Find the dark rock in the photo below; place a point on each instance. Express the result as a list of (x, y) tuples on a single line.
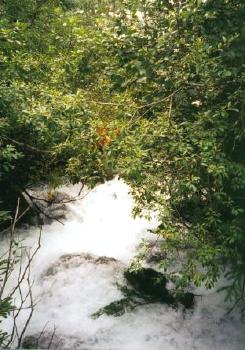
[(150, 283), (146, 286), (48, 207), (154, 252), (68, 261), (186, 299), (104, 260), (30, 342), (155, 257), (116, 308), (46, 340)]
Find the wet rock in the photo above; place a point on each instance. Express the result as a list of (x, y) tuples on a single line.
[(30, 342), (116, 308), (152, 285), (48, 206), (51, 340), (104, 260), (67, 261), (149, 283), (146, 286), (186, 299), (152, 251), (145, 291), (155, 255)]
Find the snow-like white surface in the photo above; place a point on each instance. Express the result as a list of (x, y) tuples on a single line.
[(101, 224)]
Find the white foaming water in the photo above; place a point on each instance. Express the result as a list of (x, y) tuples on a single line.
[(72, 282)]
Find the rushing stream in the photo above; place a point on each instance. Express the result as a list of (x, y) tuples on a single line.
[(75, 274)]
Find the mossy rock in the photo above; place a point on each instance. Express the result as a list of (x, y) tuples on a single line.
[(146, 286), (30, 342), (116, 308), (150, 284)]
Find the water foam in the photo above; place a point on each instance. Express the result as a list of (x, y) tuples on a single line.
[(70, 285)]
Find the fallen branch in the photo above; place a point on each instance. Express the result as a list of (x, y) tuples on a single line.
[(40, 210)]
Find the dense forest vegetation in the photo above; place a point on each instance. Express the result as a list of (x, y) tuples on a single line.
[(152, 91)]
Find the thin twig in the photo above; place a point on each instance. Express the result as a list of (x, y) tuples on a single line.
[(19, 217), (21, 279), (170, 111), (52, 337), (30, 148), (32, 307), (39, 210), (9, 259), (23, 275)]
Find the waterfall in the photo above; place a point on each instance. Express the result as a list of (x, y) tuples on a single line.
[(76, 271)]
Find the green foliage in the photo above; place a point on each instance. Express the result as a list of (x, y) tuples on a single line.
[(183, 64), (50, 77), (116, 308), (151, 90)]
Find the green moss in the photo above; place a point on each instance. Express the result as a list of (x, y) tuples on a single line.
[(146, 286)]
